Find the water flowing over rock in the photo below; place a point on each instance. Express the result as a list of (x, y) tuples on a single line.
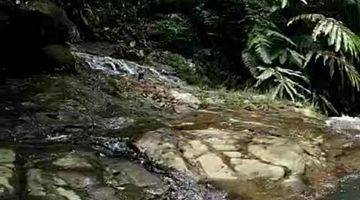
[(122, 67), (217, 148), (345, 125), (110, 65), (119, 130)]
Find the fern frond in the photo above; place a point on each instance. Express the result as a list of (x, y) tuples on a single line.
[(338, 35), (339, 63), (285, 80), (250, 63)]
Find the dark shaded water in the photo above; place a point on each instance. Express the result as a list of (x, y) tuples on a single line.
[(349, 189)]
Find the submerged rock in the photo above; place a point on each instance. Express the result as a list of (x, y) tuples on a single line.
[(159, 146), (74, 160), (248, 169), (7, 174), (7, 156), (215, 168), (7, 189), (79, 179), (46, 185), (193, 149), (116, 123), (279, 151), (122, 173)]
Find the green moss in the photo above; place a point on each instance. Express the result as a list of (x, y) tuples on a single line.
[(187, 72), (45, 7), (175, 30), (230, 99), (59, 54)]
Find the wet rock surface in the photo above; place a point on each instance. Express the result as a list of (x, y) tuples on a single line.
[(7, 174), (68, 138), (263, 151), (106, 133)]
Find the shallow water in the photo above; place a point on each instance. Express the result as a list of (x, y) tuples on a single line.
[(48, 117), (282, 123), (349, 189)]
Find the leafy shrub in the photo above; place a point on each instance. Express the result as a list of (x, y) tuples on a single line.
[(187, 71), (175, 30)]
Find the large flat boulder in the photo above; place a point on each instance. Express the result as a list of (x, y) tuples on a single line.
[(215, 168), (249, 169), (279, 151)]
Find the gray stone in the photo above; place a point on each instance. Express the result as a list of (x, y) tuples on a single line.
[(253, 169), (225, 147), (103, 193), (215, 168), (7, 156), (295, 184), (6, 188), (46, 185), (119, 173), (159, 146), (186, 98), (68, 194), (116, 123), (73, 160), (78, 179), (279, 151), (194, 149), (233, 154)]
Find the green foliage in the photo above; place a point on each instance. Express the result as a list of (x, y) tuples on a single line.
[(286, 81), (285, 63), (187, 71), (175, 30), (269, 55), (337, 63), (338, 35)]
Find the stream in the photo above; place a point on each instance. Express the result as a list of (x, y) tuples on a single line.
[(107, 133)]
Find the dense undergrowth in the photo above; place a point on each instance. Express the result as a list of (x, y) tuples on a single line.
[(301, 50)]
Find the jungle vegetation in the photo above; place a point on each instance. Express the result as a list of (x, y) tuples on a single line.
[(300, 50), (306, 50)]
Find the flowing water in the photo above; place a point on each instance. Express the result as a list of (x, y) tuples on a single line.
[(74, 137), (349, 127)]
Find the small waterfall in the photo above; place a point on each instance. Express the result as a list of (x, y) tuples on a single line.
[(109, 65), (345, 125), (123, 67)]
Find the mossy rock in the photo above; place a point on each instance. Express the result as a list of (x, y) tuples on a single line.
[(59, 21), (45, 7), (7, 156), (59, 55)]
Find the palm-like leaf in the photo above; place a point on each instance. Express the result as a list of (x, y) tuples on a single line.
[(336, 62), (338, 35), (285, 80)]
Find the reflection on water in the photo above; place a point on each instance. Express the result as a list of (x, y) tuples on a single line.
[(349, 189)]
